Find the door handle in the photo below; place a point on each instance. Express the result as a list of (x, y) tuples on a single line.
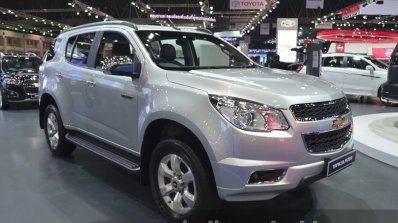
[(90, 83), (127, 96), (58, 75)]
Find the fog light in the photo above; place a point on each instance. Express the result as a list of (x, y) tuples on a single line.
[(13, 94), (267, 177)]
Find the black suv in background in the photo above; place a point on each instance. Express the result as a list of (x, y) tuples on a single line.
[(19, 79), (389, 92)]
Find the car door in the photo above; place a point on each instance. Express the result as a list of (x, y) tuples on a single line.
[(361, 77), (333, 70), (113, 94), (72, 74)]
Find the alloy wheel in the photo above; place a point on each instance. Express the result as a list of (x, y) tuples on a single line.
[(52, 130), (176, 184)]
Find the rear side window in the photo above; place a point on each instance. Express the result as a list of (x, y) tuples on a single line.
[(356, 62), (333, 61), (78, 49), (394, 57)]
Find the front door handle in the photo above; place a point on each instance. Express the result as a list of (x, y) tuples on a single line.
[(90, 83), (58, 75)]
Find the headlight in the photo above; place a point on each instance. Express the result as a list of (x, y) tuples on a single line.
[(248, 115), (11, 81)]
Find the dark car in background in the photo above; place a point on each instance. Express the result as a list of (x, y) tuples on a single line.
[(19, 79), (389, 92)]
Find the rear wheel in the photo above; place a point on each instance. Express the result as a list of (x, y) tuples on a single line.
[(3, 102), (55, 132), (180, 182)]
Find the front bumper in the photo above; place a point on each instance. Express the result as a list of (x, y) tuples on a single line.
[(296, 176), (285, 151), (21, 93), (389, 93)]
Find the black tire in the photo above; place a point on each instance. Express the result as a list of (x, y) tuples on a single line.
[(4, 105), (206, 200), (62, 147)]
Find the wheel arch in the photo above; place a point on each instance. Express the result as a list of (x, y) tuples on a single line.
[(45, 100), (160, 129)]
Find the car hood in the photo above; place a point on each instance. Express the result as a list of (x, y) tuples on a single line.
[(273, 87)]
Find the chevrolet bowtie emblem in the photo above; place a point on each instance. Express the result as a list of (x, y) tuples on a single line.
[(339, 122)]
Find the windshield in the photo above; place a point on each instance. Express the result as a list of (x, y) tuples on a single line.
[(377, 62), (189, 51), (18, 64)]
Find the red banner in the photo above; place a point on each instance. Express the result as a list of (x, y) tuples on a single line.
[(350, 12), (382, 53), (340, 47)]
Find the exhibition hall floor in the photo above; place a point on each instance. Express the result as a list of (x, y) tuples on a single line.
[(37, 187)]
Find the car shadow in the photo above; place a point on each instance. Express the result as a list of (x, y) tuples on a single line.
[(291, 206), (23, 106)]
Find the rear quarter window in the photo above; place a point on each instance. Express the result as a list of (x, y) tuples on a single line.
[(394, 57), (53, 49)]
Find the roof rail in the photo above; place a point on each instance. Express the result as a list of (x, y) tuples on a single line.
[(205, 30), (110, 22)]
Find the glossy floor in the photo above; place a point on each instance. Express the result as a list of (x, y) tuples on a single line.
[(37, 187)]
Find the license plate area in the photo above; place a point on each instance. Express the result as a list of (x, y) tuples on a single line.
[(340, 163)]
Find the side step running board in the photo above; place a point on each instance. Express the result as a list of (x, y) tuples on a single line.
[(106, 151)]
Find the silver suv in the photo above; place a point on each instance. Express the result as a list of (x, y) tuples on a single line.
[(198, 119)]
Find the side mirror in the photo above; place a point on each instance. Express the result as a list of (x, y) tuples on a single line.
[(126, 67), (371, 69), (136, 68)]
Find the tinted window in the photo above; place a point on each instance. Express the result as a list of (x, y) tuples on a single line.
[(115, 54), (394, 57), (190, 51), (51, 51), (78, 52), (377, 62), (69, 47), (333, 62), (356, 62)]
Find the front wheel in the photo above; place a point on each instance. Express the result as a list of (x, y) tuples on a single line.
[(55, 132), (3, 102), (180, 183)]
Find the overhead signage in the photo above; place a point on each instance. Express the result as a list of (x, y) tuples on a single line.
[(183, 17), (264, 29), (259, 51), (287, 24), (382, 53), (315, 4), (247, 4), (327, 25), (350, 12)]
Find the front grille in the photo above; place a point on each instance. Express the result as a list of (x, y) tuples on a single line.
[(328, 141), (320, 110), (31, 90)]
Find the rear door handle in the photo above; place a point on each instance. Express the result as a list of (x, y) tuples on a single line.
[(127, 96), (90, 83)]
